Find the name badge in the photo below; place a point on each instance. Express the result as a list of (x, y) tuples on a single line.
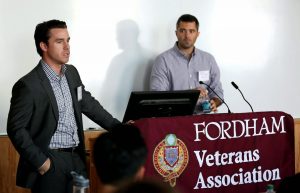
[(79, 93), (203, 75)]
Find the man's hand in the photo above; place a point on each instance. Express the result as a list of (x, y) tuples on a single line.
[(214, 103), (203, 92), (45, 167), (130, 122)]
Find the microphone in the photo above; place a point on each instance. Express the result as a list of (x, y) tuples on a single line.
[(236, 87), (201, 82)]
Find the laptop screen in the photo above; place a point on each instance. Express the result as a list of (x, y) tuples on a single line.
[(145, 104)]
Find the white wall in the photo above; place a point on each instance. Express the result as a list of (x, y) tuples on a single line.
[(255, 42)]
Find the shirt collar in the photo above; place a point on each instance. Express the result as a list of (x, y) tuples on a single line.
[(180, 52), (51, 73)]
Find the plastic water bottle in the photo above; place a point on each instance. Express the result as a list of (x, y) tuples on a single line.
[(80, 183), (270, 188), (203, 105), (206, 106)]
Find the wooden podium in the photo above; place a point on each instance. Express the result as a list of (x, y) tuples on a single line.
[(9, 160)]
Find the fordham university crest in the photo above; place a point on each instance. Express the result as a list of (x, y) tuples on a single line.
[(170, 158)]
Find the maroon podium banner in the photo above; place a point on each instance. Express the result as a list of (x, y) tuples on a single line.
[(211, 153)]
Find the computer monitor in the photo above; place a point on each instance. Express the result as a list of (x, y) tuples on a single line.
[(145, 104)]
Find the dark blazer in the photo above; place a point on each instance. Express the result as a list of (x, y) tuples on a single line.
[(33, 117)]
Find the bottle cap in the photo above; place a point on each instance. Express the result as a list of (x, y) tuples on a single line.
[(79, 180), (270, 187)]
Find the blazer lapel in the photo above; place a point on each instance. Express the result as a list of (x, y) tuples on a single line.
[(48, 88)]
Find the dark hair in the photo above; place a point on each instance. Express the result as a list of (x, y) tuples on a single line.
[(187, 18), (289, 184), (119, 154), (42, 32), (146, 186)]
